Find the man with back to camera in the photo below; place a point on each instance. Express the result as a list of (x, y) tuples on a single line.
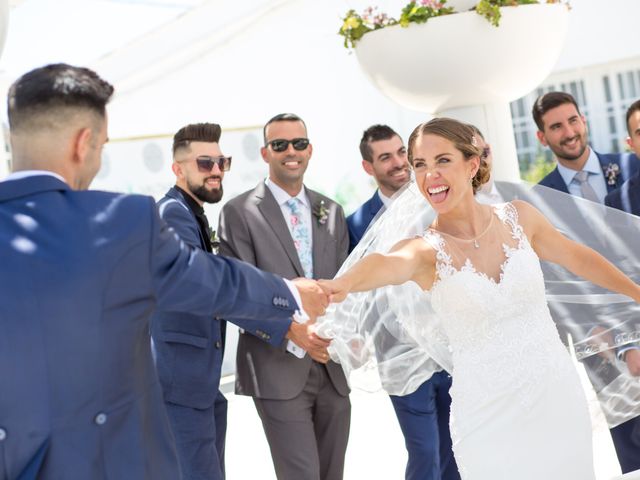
[(83, 272)]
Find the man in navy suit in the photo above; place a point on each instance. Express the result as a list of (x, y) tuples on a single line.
[(82, 274), (424, 414), (189, 348), (627, 197), (584, 173)]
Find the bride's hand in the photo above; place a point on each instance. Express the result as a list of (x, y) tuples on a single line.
[(337, 289)]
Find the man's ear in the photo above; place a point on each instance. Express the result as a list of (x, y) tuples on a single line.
[(368, 167), (541, 138), (81, 145), (263, 152), (176, 169), (630, 143)]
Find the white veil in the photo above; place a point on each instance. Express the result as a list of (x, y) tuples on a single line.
[(391, 338)]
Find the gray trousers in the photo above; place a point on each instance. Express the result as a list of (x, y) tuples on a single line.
[(308, 434)]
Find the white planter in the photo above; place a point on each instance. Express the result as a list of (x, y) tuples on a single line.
[(461, 5), (462, 60), (4, 22)]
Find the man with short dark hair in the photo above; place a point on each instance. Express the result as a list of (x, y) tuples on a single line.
[(286, 228), (580, 171), (423, 414), (627, 197), (189, 348), (82, 273), (585, 173)]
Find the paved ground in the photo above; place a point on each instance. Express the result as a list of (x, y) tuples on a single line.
[(376, 447)]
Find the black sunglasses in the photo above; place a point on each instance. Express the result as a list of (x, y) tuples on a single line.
[(206, 163), (280, 145)]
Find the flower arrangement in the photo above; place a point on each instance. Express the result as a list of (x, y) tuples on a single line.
[(321, 212), (611, 173), (355, 25)]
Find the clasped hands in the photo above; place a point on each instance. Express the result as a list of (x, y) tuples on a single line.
[(316, 296)]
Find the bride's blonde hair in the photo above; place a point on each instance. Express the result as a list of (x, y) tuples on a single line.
[(463, 137)]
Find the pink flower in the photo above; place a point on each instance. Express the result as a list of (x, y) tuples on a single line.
[(294, 220)]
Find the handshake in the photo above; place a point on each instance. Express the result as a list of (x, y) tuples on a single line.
[(315, 296)]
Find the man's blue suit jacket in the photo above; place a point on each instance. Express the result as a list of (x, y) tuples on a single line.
[(188, 347), (359, 221), (82, 272), (627, 197), (628, 165)]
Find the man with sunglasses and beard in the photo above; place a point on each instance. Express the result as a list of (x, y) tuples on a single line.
[(284, 227), (188, 348)]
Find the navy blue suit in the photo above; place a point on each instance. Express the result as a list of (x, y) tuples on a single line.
[(82, 272), (628, 165), (627, 197), (626, 436), (189, 350), (424, 414)]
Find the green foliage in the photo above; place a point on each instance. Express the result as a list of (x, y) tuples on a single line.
[(355, 25), (539, 169)]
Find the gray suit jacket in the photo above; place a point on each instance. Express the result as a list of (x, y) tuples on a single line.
[(252, 228)]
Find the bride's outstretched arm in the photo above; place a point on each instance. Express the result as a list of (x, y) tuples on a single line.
[(411, 259), (549, 244)]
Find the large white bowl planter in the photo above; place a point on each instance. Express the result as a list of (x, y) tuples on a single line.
[(462, 66), (4, 22)]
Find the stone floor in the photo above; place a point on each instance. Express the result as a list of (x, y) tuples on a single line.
[(376, 446)]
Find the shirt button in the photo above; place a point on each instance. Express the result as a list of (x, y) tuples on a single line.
[(218, 344), (3, 434), (101, 419)]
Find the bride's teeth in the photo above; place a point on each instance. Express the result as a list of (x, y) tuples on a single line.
[(438, 189)]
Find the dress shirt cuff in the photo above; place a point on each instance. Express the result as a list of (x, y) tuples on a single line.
[(300, 316)]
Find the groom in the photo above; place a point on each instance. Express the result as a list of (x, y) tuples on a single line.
[(424, 414)]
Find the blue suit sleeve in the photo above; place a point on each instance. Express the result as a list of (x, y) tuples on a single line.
[(190, 280)]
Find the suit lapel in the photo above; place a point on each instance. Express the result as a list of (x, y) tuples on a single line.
[(556, 181), (179, 197), (319, 234), (271, 211)]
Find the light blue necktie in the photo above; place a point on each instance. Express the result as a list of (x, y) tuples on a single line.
[(301, 236)]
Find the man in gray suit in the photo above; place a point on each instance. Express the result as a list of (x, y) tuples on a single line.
[(285, 228)]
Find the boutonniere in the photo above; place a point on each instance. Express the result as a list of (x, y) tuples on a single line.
[(611, 173), (321, 212), (215, 241)]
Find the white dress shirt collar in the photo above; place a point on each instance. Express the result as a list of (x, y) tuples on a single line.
[(32, 173), (283, 197)]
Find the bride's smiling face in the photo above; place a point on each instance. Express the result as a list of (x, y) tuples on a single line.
[(442, 172)]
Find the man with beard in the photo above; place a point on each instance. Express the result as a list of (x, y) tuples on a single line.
[(423, 415), (189, 348), (585, 173), (282, 226), (580, 170)]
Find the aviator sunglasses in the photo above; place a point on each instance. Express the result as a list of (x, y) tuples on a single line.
[(206, 163), (280, 145)]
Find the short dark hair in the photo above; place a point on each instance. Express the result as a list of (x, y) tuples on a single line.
[(52, 88), (549, 101), (635, 107), (196, 132), (373, 134), (282, 117)]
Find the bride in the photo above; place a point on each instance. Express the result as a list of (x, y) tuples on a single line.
[(518, 408)]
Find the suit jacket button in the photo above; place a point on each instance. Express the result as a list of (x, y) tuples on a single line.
[(3, 434), (275, 301), (100, 419), (217, 318), (218, 344)]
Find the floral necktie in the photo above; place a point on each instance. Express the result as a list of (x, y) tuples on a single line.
[(301, 236)]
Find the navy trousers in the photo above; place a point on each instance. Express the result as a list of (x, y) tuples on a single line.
[(626, 440), (424, 420), (200, 439)]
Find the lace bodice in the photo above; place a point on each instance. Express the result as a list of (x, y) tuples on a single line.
[(497, 328)]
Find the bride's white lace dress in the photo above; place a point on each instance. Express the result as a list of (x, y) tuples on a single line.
[(518, 409)]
